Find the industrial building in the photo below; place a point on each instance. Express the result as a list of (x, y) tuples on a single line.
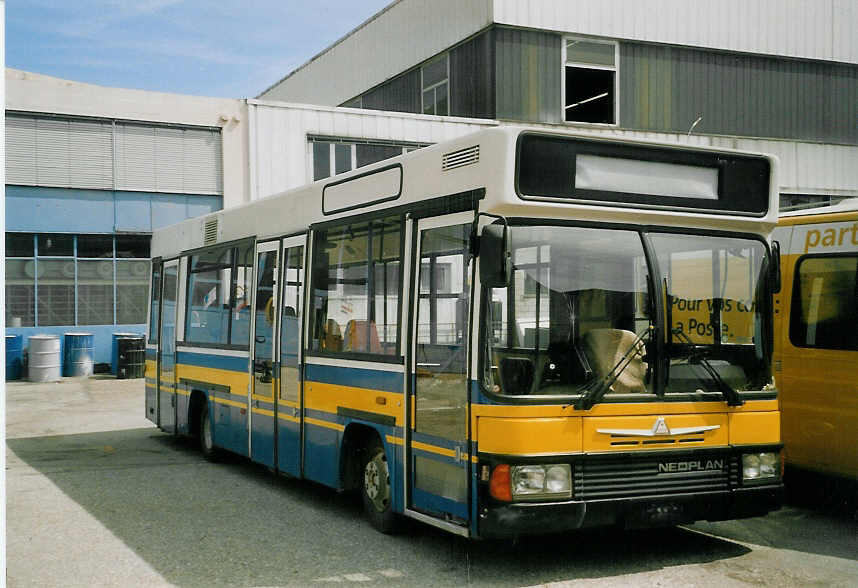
[(774, 76), (90, 172)]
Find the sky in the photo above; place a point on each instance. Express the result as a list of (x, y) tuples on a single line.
[(219, 48)]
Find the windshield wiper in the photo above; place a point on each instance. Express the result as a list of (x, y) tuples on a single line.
[(696, 356), (594, 392)]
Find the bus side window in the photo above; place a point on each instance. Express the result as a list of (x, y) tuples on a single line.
[(825, 303)]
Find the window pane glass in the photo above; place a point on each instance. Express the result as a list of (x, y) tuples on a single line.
[(825, 303), (343, 152), (20, 290), (435, 71), (56, 292), (293, 278), (441, 108), (344, 320), (95, 293), (321, 160), (56, 245), (576, 303), (588, 52), (714, 294), (240, 329), (132, 279), (155, 297), (209, 290), (95, 246), (132, 246), (19, 245), (429, 102), (367, 154)]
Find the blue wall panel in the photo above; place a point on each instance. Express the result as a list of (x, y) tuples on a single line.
[(133, 212), (58, 210), (65, 210)]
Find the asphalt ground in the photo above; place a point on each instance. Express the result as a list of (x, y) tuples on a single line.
[(97, 496)]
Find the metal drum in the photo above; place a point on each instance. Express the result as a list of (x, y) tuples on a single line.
[(131, 357), (114, 350), (14, 352), (78, 354), (44, 358)]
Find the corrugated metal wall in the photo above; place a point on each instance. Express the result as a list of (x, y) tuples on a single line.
[(401, 94), (281, 155), (808, 29), (472, 77), (666, 88), (527, 73)]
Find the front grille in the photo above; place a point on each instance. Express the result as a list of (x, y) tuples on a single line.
[(606, 477)]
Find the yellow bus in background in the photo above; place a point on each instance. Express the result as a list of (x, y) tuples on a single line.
[(816, 329)]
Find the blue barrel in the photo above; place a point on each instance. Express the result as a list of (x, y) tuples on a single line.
[(78, 354), (14, 353), (114, 349)]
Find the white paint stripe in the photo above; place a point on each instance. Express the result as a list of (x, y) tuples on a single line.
[(396, 368), (213, 351)]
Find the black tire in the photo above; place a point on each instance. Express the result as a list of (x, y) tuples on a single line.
[(375, 489), (210, 452)]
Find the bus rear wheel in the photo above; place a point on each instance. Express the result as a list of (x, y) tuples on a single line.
[(210, 452), (375, 489)]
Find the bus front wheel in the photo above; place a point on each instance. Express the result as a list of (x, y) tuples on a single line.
[(376, 489)]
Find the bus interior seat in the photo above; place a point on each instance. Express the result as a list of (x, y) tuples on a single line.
[(356, 337), (332, 339), (605, 348)]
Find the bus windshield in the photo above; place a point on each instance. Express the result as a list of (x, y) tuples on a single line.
[(580, 314)]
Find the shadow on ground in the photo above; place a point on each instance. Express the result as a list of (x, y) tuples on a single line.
[(234, 523)]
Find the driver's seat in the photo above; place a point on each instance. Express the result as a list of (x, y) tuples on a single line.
[(606, 347)]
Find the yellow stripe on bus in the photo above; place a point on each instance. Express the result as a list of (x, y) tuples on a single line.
[(326, 424)]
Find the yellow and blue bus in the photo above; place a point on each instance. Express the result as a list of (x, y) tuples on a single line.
[(514, 332), (817, 338)]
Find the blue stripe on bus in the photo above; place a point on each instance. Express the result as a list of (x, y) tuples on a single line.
[(355, 377), (221, 362)]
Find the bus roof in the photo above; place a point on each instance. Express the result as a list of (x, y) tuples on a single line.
[(483, 165)]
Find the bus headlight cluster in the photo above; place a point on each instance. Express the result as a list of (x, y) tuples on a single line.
[(534, 482), (760, 466)]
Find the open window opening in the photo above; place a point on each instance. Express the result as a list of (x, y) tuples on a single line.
[(590, 73)]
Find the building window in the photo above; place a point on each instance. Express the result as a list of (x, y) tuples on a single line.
[(68, 280), (435, 77), (590, 82), (333, 155)]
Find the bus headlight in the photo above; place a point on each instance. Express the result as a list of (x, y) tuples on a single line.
[(760, 466), (536, 482)]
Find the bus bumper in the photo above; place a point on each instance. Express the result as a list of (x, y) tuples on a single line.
[(511, 520)]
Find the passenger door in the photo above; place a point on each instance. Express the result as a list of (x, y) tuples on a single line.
[(167, 348), (290, 374), (438, 454), (263, 415)]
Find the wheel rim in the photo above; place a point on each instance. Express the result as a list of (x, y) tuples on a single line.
[(376, 482)]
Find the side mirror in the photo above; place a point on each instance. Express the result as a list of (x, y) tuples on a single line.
[(775, 269), (495, 257)]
